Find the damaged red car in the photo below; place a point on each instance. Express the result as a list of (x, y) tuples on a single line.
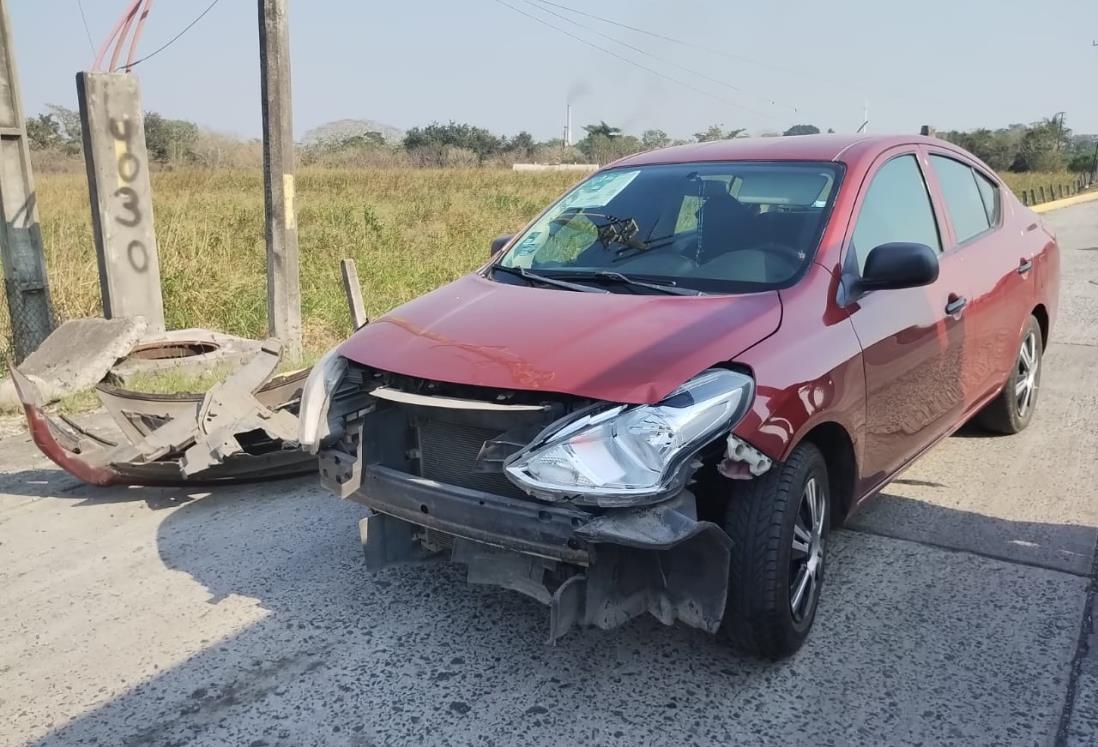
[(663, 393)]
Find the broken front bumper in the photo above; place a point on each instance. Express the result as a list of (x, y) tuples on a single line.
[(592, 568)]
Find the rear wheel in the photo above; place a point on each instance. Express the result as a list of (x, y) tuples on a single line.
[(1012, 410), (779, 527)]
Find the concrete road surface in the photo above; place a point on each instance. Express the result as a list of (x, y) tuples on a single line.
[(957, 610)]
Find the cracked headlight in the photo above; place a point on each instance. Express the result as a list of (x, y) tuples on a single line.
[(626, 454), (316, 399)]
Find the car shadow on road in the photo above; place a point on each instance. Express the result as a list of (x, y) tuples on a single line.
[(415, 653), (55, 484)]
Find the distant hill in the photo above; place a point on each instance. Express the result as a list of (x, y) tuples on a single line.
[(342, 129)]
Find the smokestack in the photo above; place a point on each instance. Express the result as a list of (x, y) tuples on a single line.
[(568, 125)]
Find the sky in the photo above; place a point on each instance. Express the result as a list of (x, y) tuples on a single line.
[(764, 66)]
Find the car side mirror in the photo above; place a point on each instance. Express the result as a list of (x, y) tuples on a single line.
[(891, 266), (499, 242), (899, 265)]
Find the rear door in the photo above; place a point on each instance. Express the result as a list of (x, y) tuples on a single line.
[(912, 339), (996, 276)]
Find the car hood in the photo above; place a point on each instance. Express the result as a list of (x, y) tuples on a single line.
[(619, 347)]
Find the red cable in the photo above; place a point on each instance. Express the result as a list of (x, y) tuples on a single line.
[(126, 14), (121, 40), (137, 34)]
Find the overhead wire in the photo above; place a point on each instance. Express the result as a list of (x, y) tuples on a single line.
[(175, 38), (665, 37), (87, 31), (684, 43), (629, 61), (649, 53)]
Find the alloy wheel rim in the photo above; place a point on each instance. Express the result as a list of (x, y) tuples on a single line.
[(1025, 382), (806, 564)]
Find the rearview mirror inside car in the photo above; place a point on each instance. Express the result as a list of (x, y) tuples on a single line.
[(499, 242)]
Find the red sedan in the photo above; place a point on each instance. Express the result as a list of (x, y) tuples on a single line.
[(662, 394)]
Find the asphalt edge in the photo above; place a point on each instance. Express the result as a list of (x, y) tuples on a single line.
[(1051, 205)]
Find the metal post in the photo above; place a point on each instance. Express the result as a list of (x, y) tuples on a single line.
[(354, 292), (113, 129), (283, 271), (26, 285)]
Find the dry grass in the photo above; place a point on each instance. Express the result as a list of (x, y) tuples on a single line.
[(409, 230)]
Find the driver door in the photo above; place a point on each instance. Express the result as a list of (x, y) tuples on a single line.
[(911, 338)]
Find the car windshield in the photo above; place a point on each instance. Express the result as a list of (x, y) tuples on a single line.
[(714, 227)]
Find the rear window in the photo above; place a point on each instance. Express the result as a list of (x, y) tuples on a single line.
[(967, 207), (731, 227)]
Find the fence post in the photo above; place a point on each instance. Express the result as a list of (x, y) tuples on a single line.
[(1025, 198), (353, 289), (1061, 191), (1042, 193)]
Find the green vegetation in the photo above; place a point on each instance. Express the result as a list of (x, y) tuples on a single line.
[(409, 231), (1045, 146), (178, 382)]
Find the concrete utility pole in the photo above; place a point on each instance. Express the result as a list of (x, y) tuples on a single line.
[(25, 283), (283, 270), (113, 128)]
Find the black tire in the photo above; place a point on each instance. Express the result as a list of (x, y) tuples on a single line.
[(759, 618), (1006, 413)]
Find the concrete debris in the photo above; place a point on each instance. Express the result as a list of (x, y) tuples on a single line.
[(188, 352), (75, 357), (243, 428)]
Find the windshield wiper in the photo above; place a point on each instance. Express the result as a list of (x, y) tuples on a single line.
[(617, 277), (525, 274)]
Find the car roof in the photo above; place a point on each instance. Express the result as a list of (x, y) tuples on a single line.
[(844, 148)]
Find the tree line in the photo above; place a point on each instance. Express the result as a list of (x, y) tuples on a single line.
[(1044, 146), (1047, 145)]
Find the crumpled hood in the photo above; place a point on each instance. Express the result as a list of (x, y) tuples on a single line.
[(611, 346)]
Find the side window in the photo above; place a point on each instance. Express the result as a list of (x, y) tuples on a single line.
[(896, 208), (989, 191), (963, 197)]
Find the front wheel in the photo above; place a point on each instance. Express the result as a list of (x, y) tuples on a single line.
[(779, 528), (1012, 410)]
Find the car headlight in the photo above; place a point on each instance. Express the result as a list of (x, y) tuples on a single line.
[(316, 398), (625, 454)]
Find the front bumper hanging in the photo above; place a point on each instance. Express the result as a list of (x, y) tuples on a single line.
[(591, 569)]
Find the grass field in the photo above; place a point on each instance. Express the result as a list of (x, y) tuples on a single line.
[(409, 230)]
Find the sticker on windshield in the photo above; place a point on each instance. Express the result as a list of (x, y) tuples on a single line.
[(529, 244), (598, 190)]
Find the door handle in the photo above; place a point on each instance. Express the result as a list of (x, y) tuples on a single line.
[(1025, 266), (956, 305)]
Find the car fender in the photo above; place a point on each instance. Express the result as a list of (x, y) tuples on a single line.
[(807, 373)]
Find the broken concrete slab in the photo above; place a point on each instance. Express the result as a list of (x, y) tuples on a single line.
[(76, 357), (189, 352)]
